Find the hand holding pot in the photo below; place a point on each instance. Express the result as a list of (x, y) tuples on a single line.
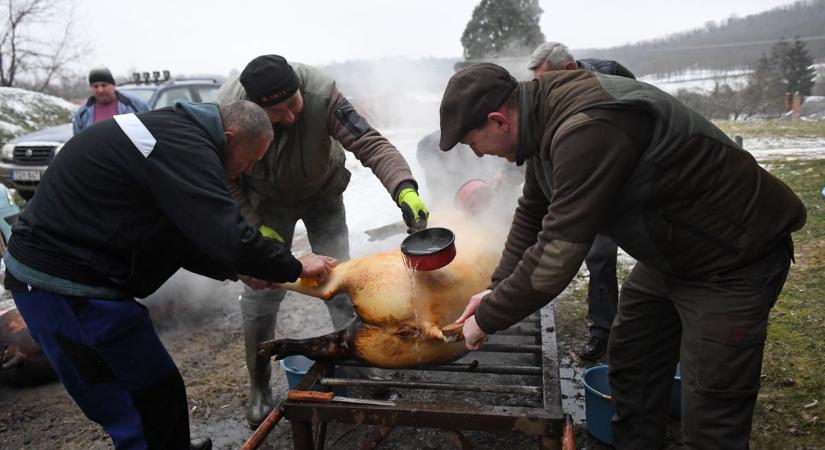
[(413, 210)]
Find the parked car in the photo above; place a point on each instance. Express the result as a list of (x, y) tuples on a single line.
[(24, 159)]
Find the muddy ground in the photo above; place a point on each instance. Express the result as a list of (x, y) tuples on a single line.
[(201, 329)]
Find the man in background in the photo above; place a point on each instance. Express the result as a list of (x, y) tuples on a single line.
[(302, 176), (603, 288), (105, 101)]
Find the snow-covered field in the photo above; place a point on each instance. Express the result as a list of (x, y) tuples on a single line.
[(704, 80)]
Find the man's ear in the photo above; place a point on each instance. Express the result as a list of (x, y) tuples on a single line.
[(500, 119), (230, 136)]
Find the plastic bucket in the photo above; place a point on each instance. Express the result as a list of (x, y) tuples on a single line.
[(296, 366), (598, 409)]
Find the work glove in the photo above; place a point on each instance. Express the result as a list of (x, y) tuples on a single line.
[(413, 210), (271, 234)]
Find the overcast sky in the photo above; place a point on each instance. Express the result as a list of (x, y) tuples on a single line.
[(188, 36)]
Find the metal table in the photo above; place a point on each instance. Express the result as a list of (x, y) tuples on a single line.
[(510, 384)]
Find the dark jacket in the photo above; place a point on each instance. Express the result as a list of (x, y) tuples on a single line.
[(618, 157), (84, 117), (605, 66), (107, 214)]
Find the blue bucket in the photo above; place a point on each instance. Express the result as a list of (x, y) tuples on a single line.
[(597, 407), (296, 366), (599, 410)]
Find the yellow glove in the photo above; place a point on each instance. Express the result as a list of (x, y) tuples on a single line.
[(271, 234), (413, 210)]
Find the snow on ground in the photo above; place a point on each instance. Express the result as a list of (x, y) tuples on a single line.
[(700, 80), (704, 80)]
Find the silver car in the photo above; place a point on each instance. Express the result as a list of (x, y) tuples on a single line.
[(24, 160)]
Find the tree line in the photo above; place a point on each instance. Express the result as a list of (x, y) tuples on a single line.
[(733, 43), (787, 68)]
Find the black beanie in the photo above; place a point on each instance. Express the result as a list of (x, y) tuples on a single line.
[(100, 74), (269, 80)]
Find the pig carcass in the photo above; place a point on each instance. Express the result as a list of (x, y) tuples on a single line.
[(22, 362), (400, 312)]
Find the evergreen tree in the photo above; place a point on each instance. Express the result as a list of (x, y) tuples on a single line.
[(798, 68), (765, 90), (501, 28)]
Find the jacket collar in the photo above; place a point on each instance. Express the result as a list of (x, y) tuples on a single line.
[(528, 131)]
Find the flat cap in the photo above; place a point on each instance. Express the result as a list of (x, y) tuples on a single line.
[(471, 94)]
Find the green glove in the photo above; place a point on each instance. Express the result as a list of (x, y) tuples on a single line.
[(413, 210), (271, 234)]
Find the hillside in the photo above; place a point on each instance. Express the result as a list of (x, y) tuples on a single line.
[(733, 43), (23, 111)]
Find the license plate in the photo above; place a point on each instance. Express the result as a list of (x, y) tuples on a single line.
[(25, 175)]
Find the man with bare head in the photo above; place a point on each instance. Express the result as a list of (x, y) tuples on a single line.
[(105, 101), (603, 288), (124, 205)]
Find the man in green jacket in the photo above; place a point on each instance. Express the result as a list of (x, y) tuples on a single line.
[(709, 227), (302, 177)]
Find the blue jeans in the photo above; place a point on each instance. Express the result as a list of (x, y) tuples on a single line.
[(108, 356)]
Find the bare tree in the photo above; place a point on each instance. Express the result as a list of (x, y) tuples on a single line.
[(27, 56)]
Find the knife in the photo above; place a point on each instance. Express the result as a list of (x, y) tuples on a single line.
[(315, 396)]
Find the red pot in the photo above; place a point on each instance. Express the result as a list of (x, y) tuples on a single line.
[(473, 196), (429, 249)]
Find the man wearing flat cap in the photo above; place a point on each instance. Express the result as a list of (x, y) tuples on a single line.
[(105, 101), (709, 228), (302, 177)]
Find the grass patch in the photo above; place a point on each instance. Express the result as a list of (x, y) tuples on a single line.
[(793, 375), (773, 128)]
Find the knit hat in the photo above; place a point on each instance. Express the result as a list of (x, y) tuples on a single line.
[(471, 94), (100, 74), (269, 80)]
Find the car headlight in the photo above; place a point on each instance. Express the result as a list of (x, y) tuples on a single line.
[(7, 152)]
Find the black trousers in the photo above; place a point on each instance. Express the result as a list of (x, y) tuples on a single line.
[(717, 328), (603, 289)]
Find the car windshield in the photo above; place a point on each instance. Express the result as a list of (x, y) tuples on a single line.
[(141, 93)]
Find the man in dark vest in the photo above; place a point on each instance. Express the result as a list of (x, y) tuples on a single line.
[(302, 176), (709, 228), (603, 289)]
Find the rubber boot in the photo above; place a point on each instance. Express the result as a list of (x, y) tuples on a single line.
[(200, 444), (259, 402)]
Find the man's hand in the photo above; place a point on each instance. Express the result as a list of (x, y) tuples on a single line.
[(413, 210), (473, 335), (316, 266)]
